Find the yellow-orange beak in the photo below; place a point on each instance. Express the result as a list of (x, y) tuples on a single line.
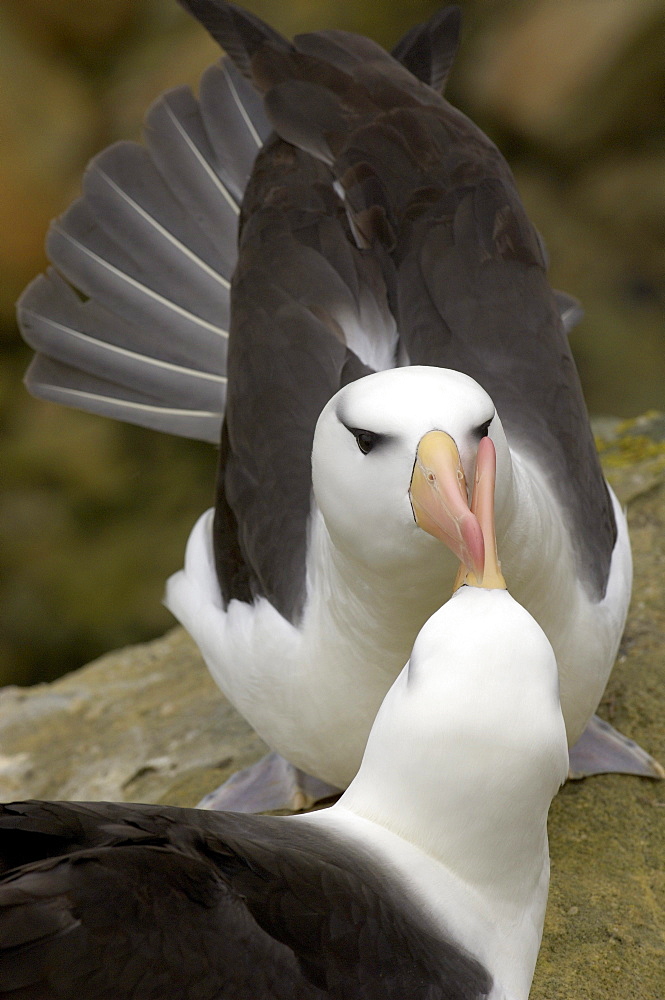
[(439, 500)]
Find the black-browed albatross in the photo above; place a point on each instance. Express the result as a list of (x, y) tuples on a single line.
[(427, 879), (379, 228)]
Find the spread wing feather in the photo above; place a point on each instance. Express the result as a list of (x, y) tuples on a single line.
[(150, 249), (59, 383)]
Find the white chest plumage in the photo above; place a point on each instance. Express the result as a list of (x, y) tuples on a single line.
[(312, 689)]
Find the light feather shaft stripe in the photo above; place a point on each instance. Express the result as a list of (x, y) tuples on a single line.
[(143, 288), (121, 403), (241, 107), (125, 352), (185, 250), (204, 163)]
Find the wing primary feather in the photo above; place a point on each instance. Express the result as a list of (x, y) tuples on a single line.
[(134, 283), (147, 254), (59, 383), (50, 308), (253, 129), (163, 231), (239, 32), (204, 163), (94, 344)]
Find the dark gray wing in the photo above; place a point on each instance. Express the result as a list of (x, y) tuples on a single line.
[(349, 921), (435, 201), (309, 314), (132, 321), (123, 901), (138, 327)]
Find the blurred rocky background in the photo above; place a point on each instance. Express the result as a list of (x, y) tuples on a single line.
[(94, 515)]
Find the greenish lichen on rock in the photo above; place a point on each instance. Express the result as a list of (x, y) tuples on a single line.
[(632, 453)]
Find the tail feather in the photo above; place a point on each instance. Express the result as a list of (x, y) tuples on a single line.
[(137, 326)]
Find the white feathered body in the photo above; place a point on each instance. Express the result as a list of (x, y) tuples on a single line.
[(465, 755), (312, 691)]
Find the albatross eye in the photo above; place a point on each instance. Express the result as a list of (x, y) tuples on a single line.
[(483, 430), (364, 439)]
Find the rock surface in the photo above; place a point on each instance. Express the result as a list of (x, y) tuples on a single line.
[(605, 928), (144, 724), (148, 724)]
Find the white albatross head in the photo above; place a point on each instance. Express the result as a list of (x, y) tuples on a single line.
[(394, 453)]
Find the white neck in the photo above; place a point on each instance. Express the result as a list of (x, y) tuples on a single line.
[(539, 574), (462, 764), (543, 577), (480, 748), (375, 614), (500, 933)]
